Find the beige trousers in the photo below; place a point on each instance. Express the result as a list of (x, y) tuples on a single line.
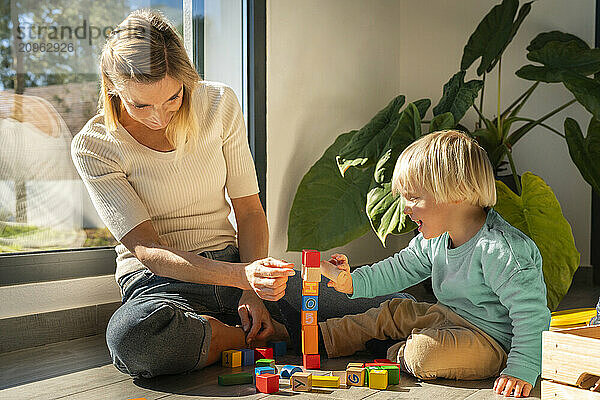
[(433, 341)]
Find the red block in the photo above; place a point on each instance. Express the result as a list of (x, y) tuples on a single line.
[(380, 364), (311, 361), (267, 383), (263, 353), (383, 360), (311, 258)]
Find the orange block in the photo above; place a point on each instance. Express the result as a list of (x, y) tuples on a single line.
[(310, 288), (310, 339), (309, 317)]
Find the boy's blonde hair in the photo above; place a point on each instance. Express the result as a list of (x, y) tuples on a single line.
[(145, 48), (448, 165)]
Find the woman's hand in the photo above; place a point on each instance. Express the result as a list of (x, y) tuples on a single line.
[(256, 320), (341, 262), (506, 384), (268, 277)]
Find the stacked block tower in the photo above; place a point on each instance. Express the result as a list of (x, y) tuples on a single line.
[(311, 276)]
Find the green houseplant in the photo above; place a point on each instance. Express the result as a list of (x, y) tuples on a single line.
[(353, 177)]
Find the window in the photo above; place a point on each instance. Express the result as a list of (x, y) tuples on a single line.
[(49, 90)]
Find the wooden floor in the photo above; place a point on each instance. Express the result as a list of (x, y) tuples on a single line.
[(81, 369)]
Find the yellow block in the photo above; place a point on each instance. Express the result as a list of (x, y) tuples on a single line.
[(572, 318), (326, 381), (231, 358), (378, 379)]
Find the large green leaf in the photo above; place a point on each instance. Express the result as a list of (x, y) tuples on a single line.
[(366, 146), (585, 152), (537, 214), (542, 74), (422, 105), (555, 36), (458, 96), (585, 90), (329, 210), (492, 35), (442, 122)]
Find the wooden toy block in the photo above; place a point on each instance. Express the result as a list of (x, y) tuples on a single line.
[(393, 374), (265, 362), (383, 361), (310, 303), (311, 258), (279, 348), (311, 274), (263, 353), (326, 381), (342, 376), (378, 379), (355, 376), (267, 383), (247, 356), (231, 358), (310, 339), (333, 273), (355, 365), (288, 370), (310, 288), (264, 370), (235, 379), (301, 382), (311, 361), (308, 317)]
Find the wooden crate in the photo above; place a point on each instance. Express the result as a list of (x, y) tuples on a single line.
[(571, 363)]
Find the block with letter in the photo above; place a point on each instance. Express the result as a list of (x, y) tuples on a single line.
[(311, 274), (311, 258), (279, 348), (310, 288), (263, 353), (355, 376), (310, 339), (308, 317), (311, 361), (267, 383), (231, 358), (247, 356), (378, 379), (301, 381), (235, 379), (310, 303)]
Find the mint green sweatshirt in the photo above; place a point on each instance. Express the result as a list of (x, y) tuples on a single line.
[(494, 281)]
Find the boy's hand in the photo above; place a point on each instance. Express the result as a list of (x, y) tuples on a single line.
[(506, 384), (341, 262)]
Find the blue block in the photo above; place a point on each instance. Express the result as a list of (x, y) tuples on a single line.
[(279, 348), (264, 370), (289, 370), (310, 303), (247, 357)]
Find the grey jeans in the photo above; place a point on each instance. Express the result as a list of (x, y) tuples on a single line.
[(160, 327)]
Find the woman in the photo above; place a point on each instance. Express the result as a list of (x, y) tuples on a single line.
[(156, 161)]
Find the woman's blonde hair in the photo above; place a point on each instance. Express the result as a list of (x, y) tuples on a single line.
[(145, 48), (448, 165)]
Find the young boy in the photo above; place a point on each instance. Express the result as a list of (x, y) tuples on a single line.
[(486, 275)]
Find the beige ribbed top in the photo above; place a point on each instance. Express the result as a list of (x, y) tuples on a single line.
[(130, 183)]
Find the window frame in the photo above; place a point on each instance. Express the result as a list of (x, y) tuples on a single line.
[(54, 265)]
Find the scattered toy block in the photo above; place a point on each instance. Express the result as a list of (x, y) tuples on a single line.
[(264, 370), (231, 358), (288, 370), (311, 258), (308, 317), (342, 376), (235, 379), (310, 288), (267, 383), (383, 361), (311, 361), (279, 348), (393, 374), (301, 381), (355, 376), (326, 381), (263, 353), (311, 274), (355, 365), (310, 303), (247, 356), (310, 339), (265, 362), (378, 379)]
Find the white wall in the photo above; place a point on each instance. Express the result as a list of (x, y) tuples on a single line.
[(331, 65)]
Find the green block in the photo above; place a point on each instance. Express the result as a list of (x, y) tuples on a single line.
[(236, 379), (393, 374), (367, 374), (265, 362)]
